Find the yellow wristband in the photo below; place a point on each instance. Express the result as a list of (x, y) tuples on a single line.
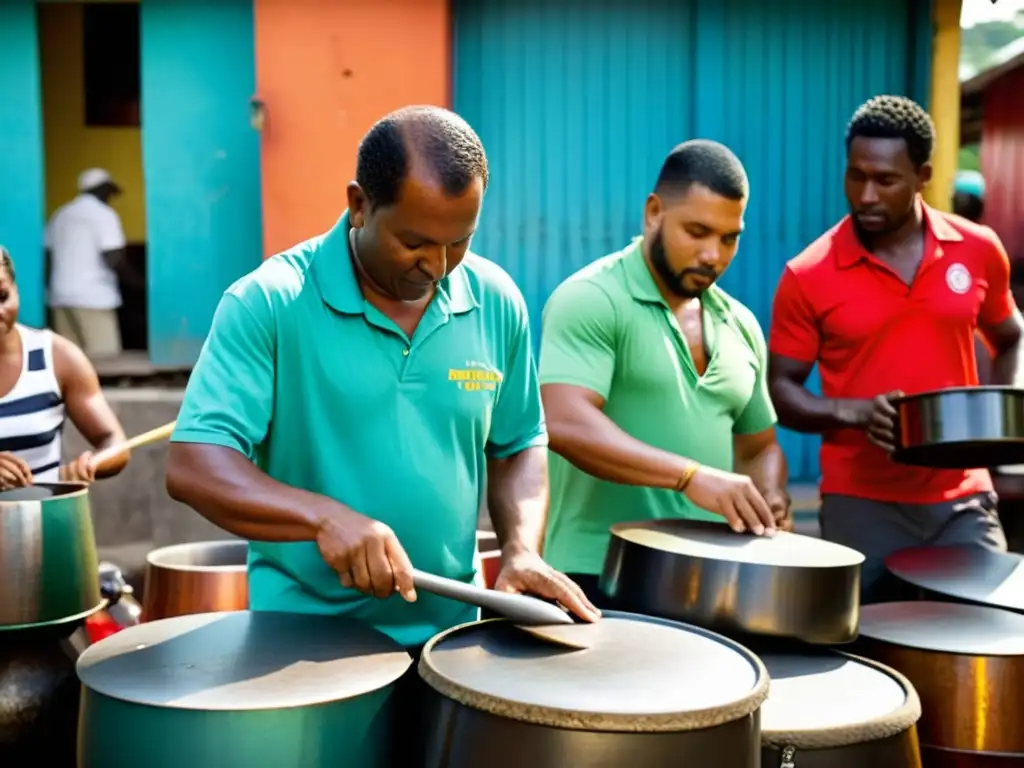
[(687, 476)]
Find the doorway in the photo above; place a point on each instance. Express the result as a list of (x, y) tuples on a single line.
[(91, 106)]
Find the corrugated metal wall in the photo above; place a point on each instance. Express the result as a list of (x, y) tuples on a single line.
[(578, 103), (1002, 161)]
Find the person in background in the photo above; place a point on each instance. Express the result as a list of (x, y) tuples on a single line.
[(654, 379), (85, 246), (969, 195), (887, 302), (45, 378)]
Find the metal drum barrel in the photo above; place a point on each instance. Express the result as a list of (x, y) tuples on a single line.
[(967, 664), (647, 692), (200, 577), (832, 710), (240, 689)]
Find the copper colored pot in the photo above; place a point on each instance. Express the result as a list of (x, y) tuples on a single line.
[(203, 577)]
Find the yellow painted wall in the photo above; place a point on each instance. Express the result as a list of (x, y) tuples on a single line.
[(944, 104), (70, 147)]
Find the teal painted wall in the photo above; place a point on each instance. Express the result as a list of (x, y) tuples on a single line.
[(201, 164), (578, 103), (22, 195)]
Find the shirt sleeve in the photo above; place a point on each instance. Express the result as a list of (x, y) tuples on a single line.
[(579, 338), (759, 413), (794, 331), (517, 422), (999, 302), (110, 232), (230, 394)]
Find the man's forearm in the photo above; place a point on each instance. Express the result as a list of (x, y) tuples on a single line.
[(517, 499), (1006, 367), (802, 411), (767, 469)]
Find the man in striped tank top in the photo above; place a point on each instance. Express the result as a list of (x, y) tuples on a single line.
[(43, 379)]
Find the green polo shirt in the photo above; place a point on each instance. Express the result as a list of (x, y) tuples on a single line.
[(608, 329), (325, 393)]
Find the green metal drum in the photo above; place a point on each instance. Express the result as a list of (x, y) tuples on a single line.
[(220, 690)]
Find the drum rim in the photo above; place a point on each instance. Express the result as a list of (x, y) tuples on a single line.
[(964, 610), (881, 727), (671, 722)]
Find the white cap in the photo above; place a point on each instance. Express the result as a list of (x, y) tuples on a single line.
[(92, 178)]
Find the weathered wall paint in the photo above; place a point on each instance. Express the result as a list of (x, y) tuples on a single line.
[(326, 71), (944, 102), (201, 161), (1002, 161), (22, 208), (70, 145)]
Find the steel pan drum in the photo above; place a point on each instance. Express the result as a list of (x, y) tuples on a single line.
[(834, 710), (202, 577), (647, 693), (789, 586), (961, 428), (967, 664), (48, 559), (970, 573), (237, 690)]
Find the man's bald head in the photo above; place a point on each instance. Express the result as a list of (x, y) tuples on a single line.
[(433, 139)]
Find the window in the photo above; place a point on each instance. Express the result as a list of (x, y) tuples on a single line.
[(110, 48)]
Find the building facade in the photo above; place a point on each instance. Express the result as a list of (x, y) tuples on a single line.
[(252, 109)]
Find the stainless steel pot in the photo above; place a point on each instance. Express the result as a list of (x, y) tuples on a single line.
[(648, 692), (967, 664), (240, 689), (48, 564), (970, 573), (789, 586), (961, 428), (829, 709), (200, 577)]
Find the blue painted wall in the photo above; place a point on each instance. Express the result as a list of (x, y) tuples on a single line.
[(201, 163), (578, 103), (22, 196)]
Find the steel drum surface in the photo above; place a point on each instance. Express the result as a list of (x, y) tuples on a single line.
[(647, 692), (201, 577), (966, 663), (48, 564), (970, 573), (789, 586), (961, 428), (240, 689)]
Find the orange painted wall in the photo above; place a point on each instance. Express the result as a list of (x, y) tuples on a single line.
[(326, 70)]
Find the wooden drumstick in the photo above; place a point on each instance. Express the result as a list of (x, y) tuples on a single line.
[(146, 438)]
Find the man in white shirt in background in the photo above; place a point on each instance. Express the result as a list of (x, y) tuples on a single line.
[(86, 249)]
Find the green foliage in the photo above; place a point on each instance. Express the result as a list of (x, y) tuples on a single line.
[(978, 43)]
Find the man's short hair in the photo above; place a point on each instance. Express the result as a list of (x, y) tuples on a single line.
[(895, 117), (707, 163)]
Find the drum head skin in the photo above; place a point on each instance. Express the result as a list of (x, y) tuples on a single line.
[(242, 660), (714, 541), (966, 573), (640, 674), (829, 699), (956, 628)]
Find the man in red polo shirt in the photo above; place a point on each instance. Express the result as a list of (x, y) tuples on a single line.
[(888, 302)]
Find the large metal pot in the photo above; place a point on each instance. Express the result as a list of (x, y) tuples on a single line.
[(970, 573), (48, 564), (833, 710), (789, 586), (967, 664), (648, 692), (961, 428), (240, 689), (201, 577)]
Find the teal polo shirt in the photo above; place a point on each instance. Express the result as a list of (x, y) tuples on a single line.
[(608, 329), (323, 392)]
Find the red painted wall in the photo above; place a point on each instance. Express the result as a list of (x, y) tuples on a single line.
[(1002, 161), (326, 70)]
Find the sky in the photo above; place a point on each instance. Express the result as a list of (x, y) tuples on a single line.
[(978, 11)]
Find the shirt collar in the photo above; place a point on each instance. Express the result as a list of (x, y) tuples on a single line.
[(339, 285), (938, 230)]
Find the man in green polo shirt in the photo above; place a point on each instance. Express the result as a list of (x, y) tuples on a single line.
[(653, 378), (355, 391)]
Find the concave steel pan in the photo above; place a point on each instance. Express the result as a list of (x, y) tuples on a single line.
[(961, 428), (969, 573), (199, 577), (788, 586)]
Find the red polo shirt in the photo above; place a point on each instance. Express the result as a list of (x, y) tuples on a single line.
[(842, 308)]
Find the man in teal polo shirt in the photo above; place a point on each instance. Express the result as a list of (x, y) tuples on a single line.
[(653, 378), (356, 390)]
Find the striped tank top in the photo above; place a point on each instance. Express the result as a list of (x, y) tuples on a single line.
[(32, 413)]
